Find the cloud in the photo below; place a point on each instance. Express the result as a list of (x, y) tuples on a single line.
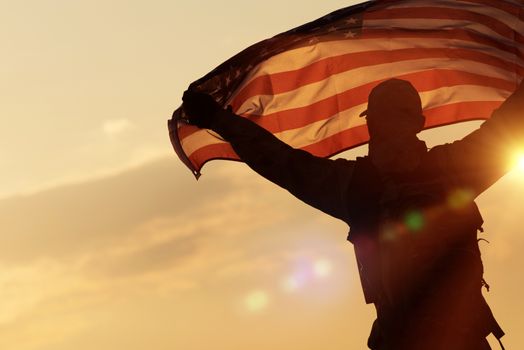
[(76, 219), (148, 228), (114, 127), (153, 241)]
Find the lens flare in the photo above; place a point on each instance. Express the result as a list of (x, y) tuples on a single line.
[(414, 221), (291, 284), (305, 274), (257, 301), (459, 198), (322, 268)]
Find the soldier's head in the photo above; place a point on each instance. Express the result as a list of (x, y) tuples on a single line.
[(394, 111)]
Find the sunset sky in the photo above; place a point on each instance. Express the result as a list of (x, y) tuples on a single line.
[(108, 242)]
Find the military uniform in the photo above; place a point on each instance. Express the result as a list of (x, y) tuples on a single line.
[(414, 232)]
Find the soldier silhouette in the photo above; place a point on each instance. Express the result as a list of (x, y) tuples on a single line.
[(411, 211)]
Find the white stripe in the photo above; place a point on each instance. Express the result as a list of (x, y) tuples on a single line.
[(508, 19), (199, 139), (461, 93), (299, 58), (315, 132), (319, 130), (336, 84)]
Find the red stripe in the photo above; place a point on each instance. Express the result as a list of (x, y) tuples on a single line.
[(501, 5), (460, 111), (423, 81), (449, 34), (356, 136), (210, 152), (444, 13), (510, 8), (287, 81), (324, 148), (186, 130)]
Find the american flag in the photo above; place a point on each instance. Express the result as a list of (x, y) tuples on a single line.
[(308, 85)]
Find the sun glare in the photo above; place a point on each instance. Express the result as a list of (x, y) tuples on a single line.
[(520, 163)]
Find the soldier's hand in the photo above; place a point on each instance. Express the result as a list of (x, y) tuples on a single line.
[(200, 108)]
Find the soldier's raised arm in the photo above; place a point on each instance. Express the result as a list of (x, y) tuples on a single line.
[(484, 156), (319, 182)]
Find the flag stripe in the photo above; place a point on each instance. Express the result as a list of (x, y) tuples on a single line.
[(320, 102), (498, 10), (444, 14), (512, 8), (357, 136), (307, 132), (318, 71), (456, 37), (285, 119), (264, 105), (428, 24), (210, 152), (374, 40), (468, 110)]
